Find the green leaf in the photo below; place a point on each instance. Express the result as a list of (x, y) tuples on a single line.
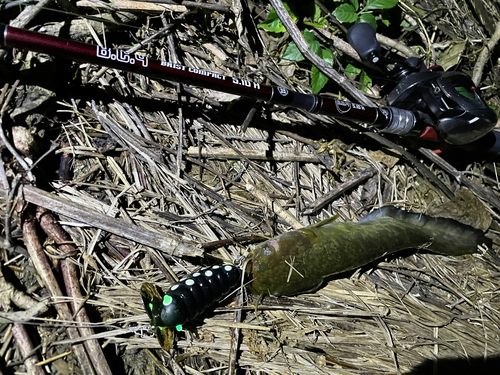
[(385, 22), (315, 47), (308, 36), (317, 13), (380, 4), (404, 23), (275, 26), (352, 71), (346, 13), (355, 4), (365, 80), (369, 18), (327, 55), (318, 80), (407, 27), (273, 23), (292, 53), (319, 19)]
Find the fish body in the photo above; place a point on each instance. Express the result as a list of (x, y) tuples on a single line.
[(298, 261)]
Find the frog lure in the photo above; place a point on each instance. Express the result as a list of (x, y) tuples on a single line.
[(298, 261), (187, 299)]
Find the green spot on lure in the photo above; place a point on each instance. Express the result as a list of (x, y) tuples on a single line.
[(298, 261)]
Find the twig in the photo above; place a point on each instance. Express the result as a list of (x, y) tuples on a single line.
[(13, 191), (219, 135), (249, 117), (193, 4), (9, 95), (167, 242), (323, 157), (484, 55), (13, 4), (301, 43), (339, 43), (25, 346), (29, 13), (226, 153), (235, 335), (24, 316), (389, 342), (180, 110), (44, 270), (421, 168), (488, 196), (120, 6), (346, 48), (57, 234), (14, 153), (340, 189), (242, 240), (401, 47), (157, 34), (274, 206), (9, 292), (13, 248)]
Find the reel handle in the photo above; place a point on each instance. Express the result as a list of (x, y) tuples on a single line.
[(362, 38)]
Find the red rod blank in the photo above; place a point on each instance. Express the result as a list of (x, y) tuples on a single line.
[(120, 59)]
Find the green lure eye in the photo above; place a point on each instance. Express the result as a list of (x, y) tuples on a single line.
[(167, 300), (150, 306), (178, 327)]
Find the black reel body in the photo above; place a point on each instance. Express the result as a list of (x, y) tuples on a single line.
[(446, 104)]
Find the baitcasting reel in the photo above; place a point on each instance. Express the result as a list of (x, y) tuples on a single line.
[(446, 104)]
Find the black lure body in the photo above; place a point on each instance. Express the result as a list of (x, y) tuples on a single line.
[(190, 296)]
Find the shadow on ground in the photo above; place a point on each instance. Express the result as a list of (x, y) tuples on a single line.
[(445, 366)]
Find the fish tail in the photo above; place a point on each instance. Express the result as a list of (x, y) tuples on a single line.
[(447, 236)]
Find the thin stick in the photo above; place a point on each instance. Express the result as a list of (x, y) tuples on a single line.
[(340, 189), (44, 269), (488, 196), (321, 64), (483, 56), (56, 233), (25, 346), (273, 206), (167, 242)]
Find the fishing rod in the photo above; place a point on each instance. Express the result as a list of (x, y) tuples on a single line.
[(434, 106), (393, 120)]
